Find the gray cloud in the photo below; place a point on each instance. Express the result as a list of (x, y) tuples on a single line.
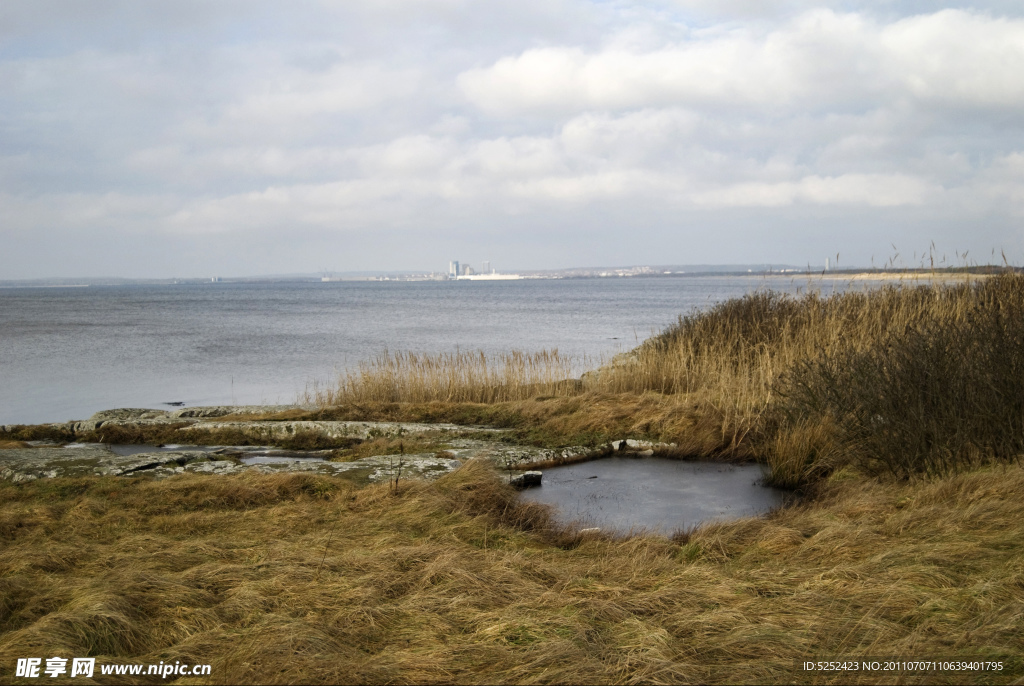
[(190, 138)]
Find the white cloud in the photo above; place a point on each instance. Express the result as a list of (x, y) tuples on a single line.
[(644, 137), (1003, 183), (78, 215), (568, 79), (953, 56), (438, 120), (409, 155), (288, 94), (819, 59), (872, 190)]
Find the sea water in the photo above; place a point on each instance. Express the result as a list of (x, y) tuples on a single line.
[(66, 353)]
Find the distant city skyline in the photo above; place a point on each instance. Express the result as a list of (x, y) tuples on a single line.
[(186, 139)]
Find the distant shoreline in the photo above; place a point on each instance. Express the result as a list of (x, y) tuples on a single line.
[(916, 274), (889, 276)]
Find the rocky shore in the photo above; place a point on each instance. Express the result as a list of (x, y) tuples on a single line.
[(205, 419), (27, 464), (441, 448)]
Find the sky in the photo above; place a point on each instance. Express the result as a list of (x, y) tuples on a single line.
[(187, 138)]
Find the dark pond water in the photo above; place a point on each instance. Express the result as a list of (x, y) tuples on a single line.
[(625, 494)]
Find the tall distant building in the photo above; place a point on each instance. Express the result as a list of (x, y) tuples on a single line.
[(487, 267), (453, 269)]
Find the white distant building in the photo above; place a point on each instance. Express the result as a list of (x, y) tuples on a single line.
[(490, 277), (467, 273)]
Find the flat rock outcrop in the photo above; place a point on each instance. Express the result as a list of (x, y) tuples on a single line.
[(223, 410), (201, 412), (362, 430), (455, 444), (28, 464), (203, 419)]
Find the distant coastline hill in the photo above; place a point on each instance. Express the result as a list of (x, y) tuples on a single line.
[(570, 273)]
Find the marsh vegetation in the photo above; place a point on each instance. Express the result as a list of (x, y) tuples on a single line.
[(903, 379), (456, 581), (897, 412)]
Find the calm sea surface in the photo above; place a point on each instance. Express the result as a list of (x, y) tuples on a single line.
[(68, 352)]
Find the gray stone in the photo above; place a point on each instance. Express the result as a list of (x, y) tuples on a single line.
[(644, 448), (86, 426), (32, 463), (455, 444), (362, 430), (128, 414), (214, 467), (526, 479), (222, 410), (135, 413), (137, 418)]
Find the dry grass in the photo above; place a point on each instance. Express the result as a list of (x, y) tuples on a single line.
[(590, 419), (733, 356), (930, 395), (462, 377), (386, 446), (454, 582), (904, 378)]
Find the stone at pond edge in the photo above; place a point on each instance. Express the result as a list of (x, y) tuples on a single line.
[(526, 479), (642, 448)]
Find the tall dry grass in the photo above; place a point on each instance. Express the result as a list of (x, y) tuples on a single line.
[(903, 379), (937, 393), (736, 351), (294, 578), (907, 378), (460, 377)]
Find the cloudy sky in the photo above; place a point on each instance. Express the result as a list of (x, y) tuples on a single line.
[(190, 138)]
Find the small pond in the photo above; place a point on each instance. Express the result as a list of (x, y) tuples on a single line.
[(623, 493)]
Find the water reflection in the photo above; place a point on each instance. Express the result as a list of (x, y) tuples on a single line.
[(623, 494)]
